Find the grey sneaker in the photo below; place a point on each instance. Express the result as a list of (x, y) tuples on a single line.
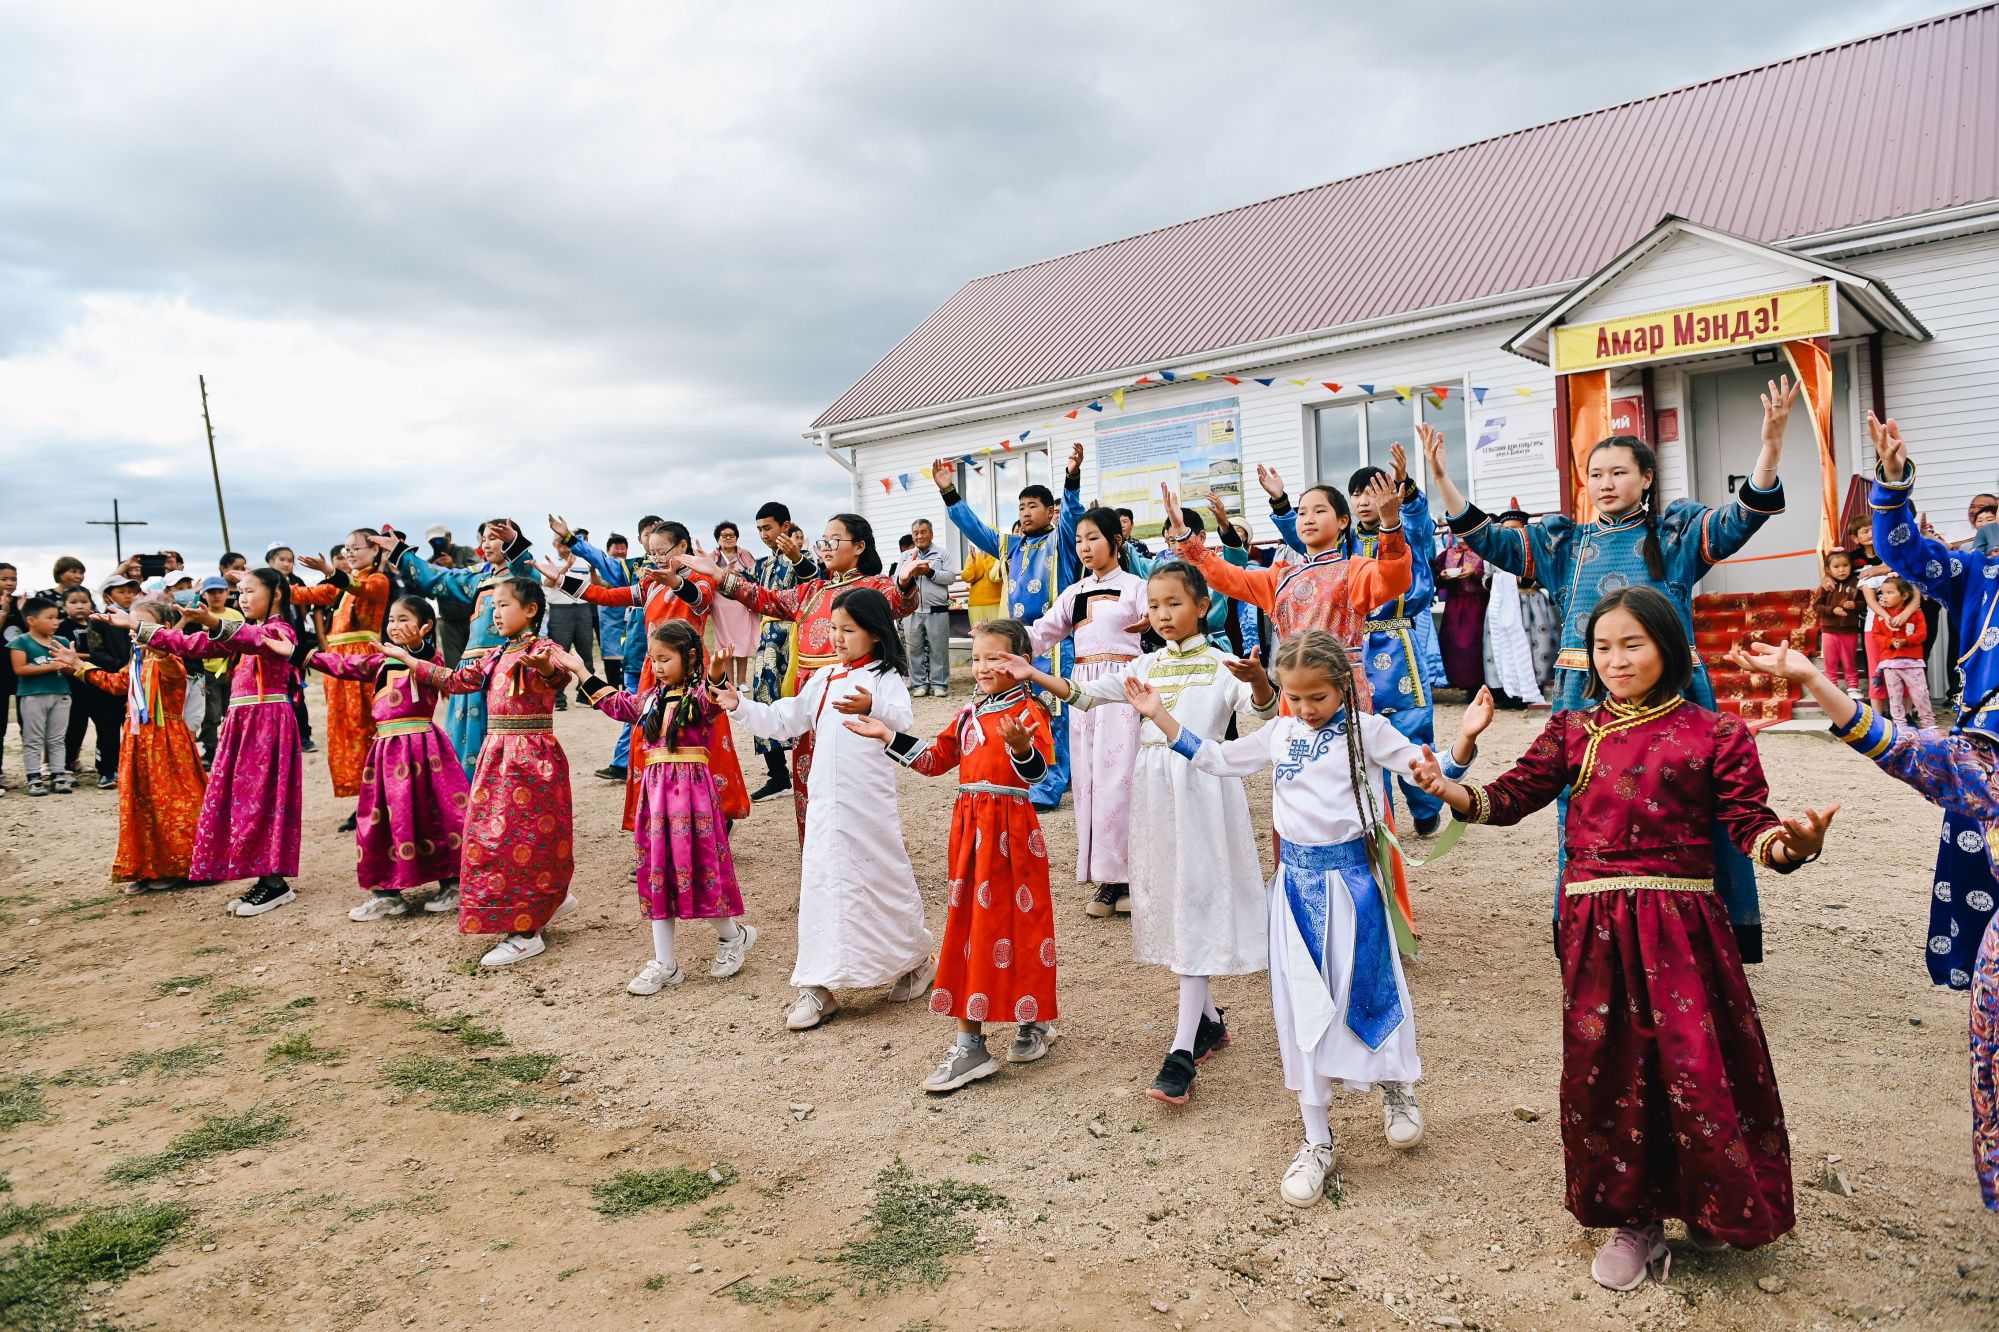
[(729, 953), (1401, 1117), (1030, 1042), (914, 983), (962, 1064)]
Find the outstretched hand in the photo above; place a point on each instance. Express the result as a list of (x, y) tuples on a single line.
[(123, 619), (1076, 456), (1018, 667), (1780, 397), (541, 657), (397, 652), (317, 563), (561, 528), (1427, 773), (1271, 480), (1399, 456), (871, 727), (700, 564), (1382, 493), (383, 541), (788, 546), (1773, 659), (1478, 715), (1803, 835), (1176, 518), (1248, 670), (944, 473), (1889, 448), (552, 571), (857, 704), (578, 667), (1143, 697), (65, 658)]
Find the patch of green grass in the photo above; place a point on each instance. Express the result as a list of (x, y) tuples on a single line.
[(784, 1291), (915, 1226), (182, 1061), (502, 1245), (18, 1024), (233, 997), (469, 1033), (172, 983), (31, 1219), (299, 1049), (85, 1075), (473, 1086), (87, 904), (711, 1223), (315, 1202), (43, 1285), (210, 950), (216, 1135), (21, 1102), (657, 1281), (632, 1191), (398, 1004), (303, 1001), (568, 1272), (415, 1206)]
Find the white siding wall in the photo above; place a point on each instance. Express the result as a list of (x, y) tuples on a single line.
[(1276, 424), (1943, 393), (1685, 270)]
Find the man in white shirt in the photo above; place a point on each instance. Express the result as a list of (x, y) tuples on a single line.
[(927, 632)]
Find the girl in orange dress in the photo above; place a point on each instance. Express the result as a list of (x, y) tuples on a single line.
[(997, 960), (160, 779), (359, 596)]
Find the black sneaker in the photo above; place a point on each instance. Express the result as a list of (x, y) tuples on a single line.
[(1122, 905), (612, 773), (306, 746), (1427, 827), (1105, 902), (1211, 1036), (107, 783), (348, 824), (562, 703), (268, 894), (1175, 1082), (771, 790)]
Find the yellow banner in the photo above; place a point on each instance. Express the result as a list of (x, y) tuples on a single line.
[(1744, 321)]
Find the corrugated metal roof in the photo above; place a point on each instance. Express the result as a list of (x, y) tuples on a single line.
[(1889, 126)]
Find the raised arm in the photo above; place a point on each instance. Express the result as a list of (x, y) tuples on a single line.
[(961, 514), (1070, 564), (1898, 534), (431, 581), (1532, 783), (1254, 585), (613, 572), (469, 678), (1376, 579), (360, 666), (617, 704), (1742, 800)]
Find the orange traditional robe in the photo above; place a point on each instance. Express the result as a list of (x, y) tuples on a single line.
[(160, 781), (360, 607)]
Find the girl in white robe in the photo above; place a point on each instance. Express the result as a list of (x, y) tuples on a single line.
[(1509, 655), (860, 916), (1197, 901), (1337, 992)]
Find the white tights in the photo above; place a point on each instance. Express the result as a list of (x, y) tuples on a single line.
[(1196, 1001), (1318, 1129), (662, 939)]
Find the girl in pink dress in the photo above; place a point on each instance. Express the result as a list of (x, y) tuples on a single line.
[(250, 814), (519, 852), (409, 824), (685, 869), (736, 625)]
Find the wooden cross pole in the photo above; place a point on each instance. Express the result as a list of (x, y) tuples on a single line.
[(214, 469), (117, 526)]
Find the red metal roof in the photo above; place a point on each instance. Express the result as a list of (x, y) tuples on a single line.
[(1892, 125)]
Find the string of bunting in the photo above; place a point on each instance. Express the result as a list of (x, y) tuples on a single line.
[(1435, 394)]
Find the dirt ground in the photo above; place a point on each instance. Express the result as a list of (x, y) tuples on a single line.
[(374, 1207)]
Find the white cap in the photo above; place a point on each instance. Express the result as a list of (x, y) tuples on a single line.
[(277, 546), (436, 530)]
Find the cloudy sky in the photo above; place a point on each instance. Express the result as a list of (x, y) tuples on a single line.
[(443, 261)]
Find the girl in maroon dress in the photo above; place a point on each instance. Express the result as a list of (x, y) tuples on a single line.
[(1669, 1105), (1461, 583)]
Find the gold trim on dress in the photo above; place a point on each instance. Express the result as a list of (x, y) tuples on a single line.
[(1636, 882), (249, 700), (1759, 850), (675, 756), (356, 636), (521, 725), (1629, 716), (402, 726)]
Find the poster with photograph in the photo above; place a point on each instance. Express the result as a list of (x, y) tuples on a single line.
[(1196, 448)]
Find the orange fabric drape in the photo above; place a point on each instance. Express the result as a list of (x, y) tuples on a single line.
[(1811, 362), (1589, 426)]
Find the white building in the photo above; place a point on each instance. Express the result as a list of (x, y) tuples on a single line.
[(1859, 183)]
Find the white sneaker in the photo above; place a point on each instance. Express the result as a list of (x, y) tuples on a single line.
[(814, 1005), (514, 948), (1401, 1117), (379, 906), (655, 978), (729, 953), (446, 899), (962, 1064), (914, 983), (1305, 1182), (568, 907)]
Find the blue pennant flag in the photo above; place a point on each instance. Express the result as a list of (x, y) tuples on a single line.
[(1265, 382)]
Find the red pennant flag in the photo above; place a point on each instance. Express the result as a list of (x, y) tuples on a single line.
[(1006, 445), (1441, 390), (887, 484), (1073, 415), (1231, 379), (1330, 388), (1145, 379)]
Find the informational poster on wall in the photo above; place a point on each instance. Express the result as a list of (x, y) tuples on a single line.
[(1508, 441), (1195, 449)]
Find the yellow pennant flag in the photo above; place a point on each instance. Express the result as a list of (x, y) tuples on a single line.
[(1199, 376), (1118, 397), (1403, 391), (1300, 382), (1523, 392)]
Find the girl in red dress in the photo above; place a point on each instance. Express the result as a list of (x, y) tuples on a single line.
[(1669, 1104), (997, 960), (519, 840)]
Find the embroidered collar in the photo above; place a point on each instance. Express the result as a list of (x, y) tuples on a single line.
[(999, 702), (1637, 712), (1188, 647), (1636, 518)]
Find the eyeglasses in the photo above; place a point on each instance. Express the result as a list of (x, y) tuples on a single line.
[(832, 543)]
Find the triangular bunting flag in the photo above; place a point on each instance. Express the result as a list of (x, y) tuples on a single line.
[(1098, 406), (1478, 395), (1265, 382), (1118, 398), (1301, 382), (1070, 416), (1329, 386), (1403, 391), (887, 485), (904, 480), (1024, 434), (1523, 392), (967, 460), (1230, 379), (1199, 376), (1142, 379), (1006, 446), (1441, 390), (1166, 375), (1366, 388), (1435, 400)]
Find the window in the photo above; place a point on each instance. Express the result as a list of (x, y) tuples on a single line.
[(1352, 435), (992, 489)]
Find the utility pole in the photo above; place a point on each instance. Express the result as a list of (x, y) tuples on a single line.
[(213, 469), (117, 526)]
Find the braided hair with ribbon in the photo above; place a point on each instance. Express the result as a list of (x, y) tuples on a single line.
[(675, 707)]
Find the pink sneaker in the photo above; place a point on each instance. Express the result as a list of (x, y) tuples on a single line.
[(1630, 1255)]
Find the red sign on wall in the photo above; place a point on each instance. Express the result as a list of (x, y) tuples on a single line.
[(1627, 417), (1669, 424)]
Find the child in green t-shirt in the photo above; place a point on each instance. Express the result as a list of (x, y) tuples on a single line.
[(43, 697)]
